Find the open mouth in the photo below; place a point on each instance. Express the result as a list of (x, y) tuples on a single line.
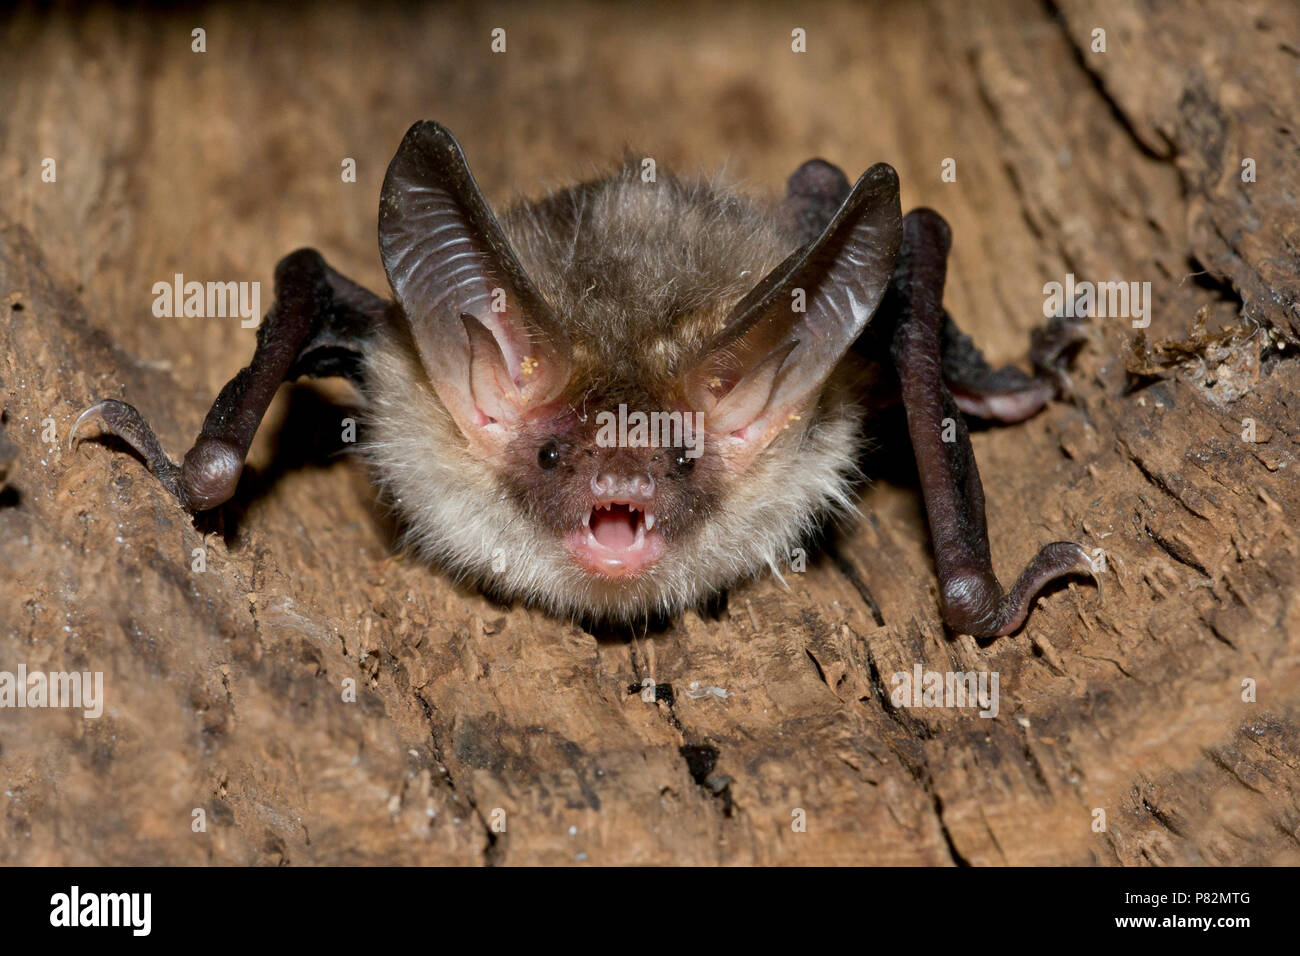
[(617, 539)]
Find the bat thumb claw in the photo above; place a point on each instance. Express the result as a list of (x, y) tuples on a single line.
[(1094, 571), (123, 421), (95, 414)]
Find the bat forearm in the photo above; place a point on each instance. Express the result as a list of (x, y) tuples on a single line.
[(973, 601), (306, 305)]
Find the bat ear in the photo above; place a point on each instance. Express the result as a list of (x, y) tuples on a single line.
[(490, 344), (783, 340)]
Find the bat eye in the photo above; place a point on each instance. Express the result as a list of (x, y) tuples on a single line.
[(683, 462), (549, 455)]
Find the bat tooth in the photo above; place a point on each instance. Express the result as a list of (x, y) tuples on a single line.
[(649, 520)]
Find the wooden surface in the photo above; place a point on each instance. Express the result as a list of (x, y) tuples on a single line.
[(224, 687)]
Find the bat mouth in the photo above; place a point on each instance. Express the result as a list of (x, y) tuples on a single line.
[(616, 539)]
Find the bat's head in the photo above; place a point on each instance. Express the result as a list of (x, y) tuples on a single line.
[(598, 407)]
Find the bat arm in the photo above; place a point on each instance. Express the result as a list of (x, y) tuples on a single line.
[(973, 601), (318, 316)]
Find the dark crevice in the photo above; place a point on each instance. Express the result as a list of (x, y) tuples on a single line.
[(701, 758), (702, 761), (860, 586), (1161, 817), (957, 856), (1039, 774), (1176, 551), (914, 731), (1160, 484), (817, 664), (494, 852), (1099, 86), (1217, 282), (663, 691), (1216, 759), (1217, 634)]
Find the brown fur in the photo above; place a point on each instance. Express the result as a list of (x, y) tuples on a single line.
[(642, 276)]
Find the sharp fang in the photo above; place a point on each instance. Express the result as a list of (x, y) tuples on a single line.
[(649, 520), (586, 520)]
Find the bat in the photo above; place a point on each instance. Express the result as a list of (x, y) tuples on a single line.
[(631, 395)]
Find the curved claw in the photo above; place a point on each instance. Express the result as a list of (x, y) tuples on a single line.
[(125, 422), (93, 413), (1051, 349), (1056, 560)]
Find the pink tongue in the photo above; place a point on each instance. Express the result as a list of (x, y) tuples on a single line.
[(615, 528)]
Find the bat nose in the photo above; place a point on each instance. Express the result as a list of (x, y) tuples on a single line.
[(636, 485)]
